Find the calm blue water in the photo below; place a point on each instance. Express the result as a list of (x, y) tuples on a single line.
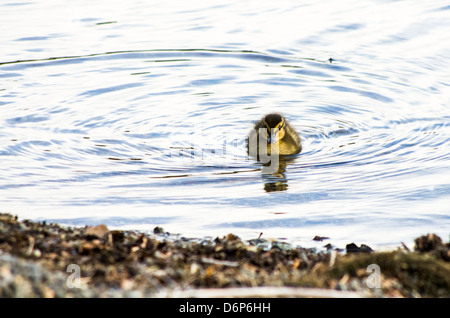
[(134, 114)]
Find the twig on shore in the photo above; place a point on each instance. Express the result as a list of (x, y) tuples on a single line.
[(260, 292), (213, 261)]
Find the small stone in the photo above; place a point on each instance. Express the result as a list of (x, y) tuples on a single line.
[(320, 238), (353, 248), (427, 243), (365, 249), (98, 231), (194, 268), (37, 253), (158, 230), (328, 246), (231, 237)]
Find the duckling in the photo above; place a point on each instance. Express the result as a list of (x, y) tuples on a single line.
[(276, 131)]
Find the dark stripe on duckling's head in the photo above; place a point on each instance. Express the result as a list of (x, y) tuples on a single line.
[(274, 124), (272, 120)]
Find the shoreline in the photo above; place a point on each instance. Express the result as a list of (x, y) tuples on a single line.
[(49, 260)]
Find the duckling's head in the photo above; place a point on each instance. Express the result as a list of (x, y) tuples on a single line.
[(275, 125)]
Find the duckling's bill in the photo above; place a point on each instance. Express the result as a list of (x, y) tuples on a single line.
[(273, 136)]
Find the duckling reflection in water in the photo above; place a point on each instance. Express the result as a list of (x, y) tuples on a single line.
[(272, 141), (277, 181)]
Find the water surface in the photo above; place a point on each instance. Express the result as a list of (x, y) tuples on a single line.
[(135, 115)]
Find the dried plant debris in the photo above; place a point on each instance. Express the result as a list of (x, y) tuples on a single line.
[(47, 260)]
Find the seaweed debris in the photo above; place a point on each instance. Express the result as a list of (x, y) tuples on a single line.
[(48, 260)]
